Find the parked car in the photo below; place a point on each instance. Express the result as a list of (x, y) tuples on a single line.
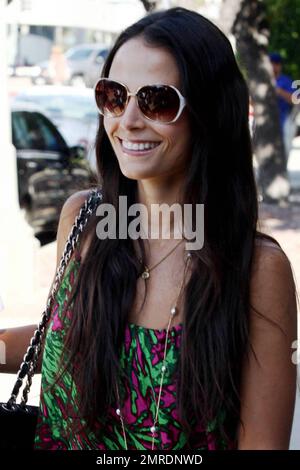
[(48, 170), (85, 63), (72, 110), (42, 74)]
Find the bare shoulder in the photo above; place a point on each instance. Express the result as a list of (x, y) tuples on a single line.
[(272, 275), (267, 256), (272, 285), (71, 207), (269, 375), (68, 213)]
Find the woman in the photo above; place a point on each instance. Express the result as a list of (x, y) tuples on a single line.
[(149, 347)]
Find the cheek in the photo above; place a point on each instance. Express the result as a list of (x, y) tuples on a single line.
[(106, 127), (184, 135), (179, 138), (110, 127)]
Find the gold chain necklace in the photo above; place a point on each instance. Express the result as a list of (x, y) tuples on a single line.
[(173, 313), (146, 273)]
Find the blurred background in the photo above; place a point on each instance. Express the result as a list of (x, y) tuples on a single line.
[(51, 56)]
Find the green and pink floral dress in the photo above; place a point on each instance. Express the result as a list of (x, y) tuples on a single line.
[(141, 359)]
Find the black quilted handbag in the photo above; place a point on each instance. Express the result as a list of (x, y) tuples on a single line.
[(18, 421)]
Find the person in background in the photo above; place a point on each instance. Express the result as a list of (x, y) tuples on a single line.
[(58, 67), (284, 91)]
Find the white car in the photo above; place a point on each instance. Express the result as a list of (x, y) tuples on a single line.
[(85, 63)]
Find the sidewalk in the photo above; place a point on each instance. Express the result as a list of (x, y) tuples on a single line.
[(281, 223), (20, 314)]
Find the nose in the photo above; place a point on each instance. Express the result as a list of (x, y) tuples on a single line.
[(132, 116)]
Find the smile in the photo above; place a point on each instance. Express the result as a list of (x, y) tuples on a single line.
[(135, 147)]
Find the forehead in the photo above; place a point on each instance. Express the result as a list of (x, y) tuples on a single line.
[(136, 64)]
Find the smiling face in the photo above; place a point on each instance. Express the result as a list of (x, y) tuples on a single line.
[(147, 149)]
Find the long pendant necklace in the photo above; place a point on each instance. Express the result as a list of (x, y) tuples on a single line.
[(154, 427)]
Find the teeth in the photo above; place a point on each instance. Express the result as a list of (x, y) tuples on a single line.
[(141, 146)]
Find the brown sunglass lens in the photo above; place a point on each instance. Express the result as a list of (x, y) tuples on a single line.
[(159, 103), (110, 97)]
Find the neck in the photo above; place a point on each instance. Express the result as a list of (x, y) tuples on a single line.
[(152, 195)]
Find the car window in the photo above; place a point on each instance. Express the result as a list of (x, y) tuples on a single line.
[(101, 55), (33, 131), (79, 54)]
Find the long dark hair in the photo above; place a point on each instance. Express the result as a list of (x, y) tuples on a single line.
[(219, 174)]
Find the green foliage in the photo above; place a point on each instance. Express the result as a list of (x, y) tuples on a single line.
[(284, 21)]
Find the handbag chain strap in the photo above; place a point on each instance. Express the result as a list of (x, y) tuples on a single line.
[(30, 360)]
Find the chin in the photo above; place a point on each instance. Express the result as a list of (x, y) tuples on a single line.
[(137, 173)]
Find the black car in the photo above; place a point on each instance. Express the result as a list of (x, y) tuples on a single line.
[(48, 170)]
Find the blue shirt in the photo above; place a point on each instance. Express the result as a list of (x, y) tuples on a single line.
[(284, 82)]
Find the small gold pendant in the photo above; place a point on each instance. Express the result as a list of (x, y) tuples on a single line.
[(146, 274)]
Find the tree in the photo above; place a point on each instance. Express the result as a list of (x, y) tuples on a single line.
[(247, 21), (284, 20)]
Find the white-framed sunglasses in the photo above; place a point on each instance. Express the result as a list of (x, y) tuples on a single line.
[(160, 103)]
